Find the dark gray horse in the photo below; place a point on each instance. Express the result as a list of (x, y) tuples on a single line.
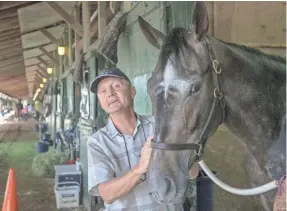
[(201, 82)]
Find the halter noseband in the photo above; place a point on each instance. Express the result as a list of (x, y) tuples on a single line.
[(198, 146)]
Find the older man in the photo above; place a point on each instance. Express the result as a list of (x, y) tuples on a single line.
[(119, 153)]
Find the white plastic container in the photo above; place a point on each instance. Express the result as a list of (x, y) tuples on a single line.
[(67, 195), (67, 173)]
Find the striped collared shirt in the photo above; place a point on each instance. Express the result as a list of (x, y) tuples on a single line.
[(112, 154)]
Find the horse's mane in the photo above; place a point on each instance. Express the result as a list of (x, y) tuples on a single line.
[(257, 52), (173, 43), (176, 40)]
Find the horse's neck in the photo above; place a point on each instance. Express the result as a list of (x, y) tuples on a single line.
[(254, 91)]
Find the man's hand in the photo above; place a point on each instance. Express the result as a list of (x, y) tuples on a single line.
[(144, 162)]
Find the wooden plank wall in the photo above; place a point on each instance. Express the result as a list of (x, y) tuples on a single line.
[(261, 25)]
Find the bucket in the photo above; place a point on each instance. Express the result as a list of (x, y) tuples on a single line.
[(204, 189), (48, 141), (42, 147)]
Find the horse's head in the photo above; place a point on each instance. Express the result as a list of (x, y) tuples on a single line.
[(181, 91)]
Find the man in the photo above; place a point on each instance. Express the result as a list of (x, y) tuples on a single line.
[(119, 153), (18, 109)]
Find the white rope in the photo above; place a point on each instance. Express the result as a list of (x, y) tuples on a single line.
[(244, 192)]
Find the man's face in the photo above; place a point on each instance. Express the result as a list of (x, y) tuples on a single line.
[(115, 94)]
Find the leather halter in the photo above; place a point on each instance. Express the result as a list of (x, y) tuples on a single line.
[(198, 146)]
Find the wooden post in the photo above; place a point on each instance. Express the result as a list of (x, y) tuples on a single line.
[(66, 43), (101, 18), (86, 25), (77, 37), (70, 59)]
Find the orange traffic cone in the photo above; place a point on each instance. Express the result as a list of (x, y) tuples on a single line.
[(11, 198)]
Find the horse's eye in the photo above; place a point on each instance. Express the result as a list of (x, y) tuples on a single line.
[(194, 88)]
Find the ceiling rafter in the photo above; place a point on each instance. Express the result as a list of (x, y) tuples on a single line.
[(66, 17)]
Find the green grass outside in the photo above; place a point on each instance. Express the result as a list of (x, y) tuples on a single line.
[(18, 155)]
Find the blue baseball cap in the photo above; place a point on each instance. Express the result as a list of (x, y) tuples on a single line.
[(110, 72)]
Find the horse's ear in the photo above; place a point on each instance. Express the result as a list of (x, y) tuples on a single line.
[(200, 19), (154, 37)]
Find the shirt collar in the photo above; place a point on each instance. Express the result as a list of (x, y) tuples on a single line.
[(114, 131)]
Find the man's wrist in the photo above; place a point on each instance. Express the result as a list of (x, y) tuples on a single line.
[(136, 171)]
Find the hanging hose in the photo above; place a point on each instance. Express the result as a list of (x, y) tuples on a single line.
[(244, 192)]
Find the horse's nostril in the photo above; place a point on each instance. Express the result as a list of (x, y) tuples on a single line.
[(169, 190), (167, 183)]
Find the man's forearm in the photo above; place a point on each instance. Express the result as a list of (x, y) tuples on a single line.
[(118, 187)]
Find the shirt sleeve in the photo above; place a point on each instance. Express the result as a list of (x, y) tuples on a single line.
[(100, 168)]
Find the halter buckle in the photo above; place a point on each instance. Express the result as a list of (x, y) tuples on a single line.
[(200, 148), (215, 65), (217, 94)]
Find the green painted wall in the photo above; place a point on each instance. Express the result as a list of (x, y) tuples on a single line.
[(136, 57), (179, 14)]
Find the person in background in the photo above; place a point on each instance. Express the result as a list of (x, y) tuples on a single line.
[(25, 113), (30, 109), (18, 109)]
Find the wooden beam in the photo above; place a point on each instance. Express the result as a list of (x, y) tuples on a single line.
[(38, 79), (11, 40), (11, 83), (70, 49), (66, 17), (49, 55), (31, 65), (50, 37), (12, 4), (10, 23), (40, 74), (8, 56), (86, 25), (77, 37), (10, 51), (37, 46), (44, 71), (26, 58), (12, 77), (13, 68), (11, 45), (11, 63), (8, 13), (42, 60), (9, 74), (10, 33), (102, 18), (106, 45), (93, 30), (46, 27), (12, 28), (31, 75)]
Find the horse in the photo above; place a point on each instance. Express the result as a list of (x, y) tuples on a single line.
[(200, 82)]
